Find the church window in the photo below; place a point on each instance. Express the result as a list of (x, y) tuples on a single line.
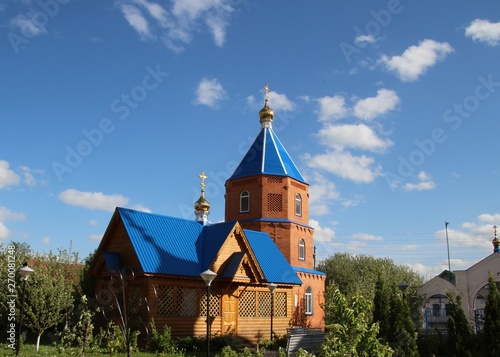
[(298, 205), (244, 201), (309, 301), (302, 250)]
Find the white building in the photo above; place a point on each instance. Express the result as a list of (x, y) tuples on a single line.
[(472, 286)]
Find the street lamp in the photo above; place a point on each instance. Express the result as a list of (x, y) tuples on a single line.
[(272, 287), (208, 276), (403, 286), (25, 273)]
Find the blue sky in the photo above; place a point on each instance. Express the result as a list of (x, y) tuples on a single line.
[(390, 109)]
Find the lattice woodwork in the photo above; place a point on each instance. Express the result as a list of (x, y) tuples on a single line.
[(274, 202), (135, 298), (274, 180), (246, 304), (264, 303), (165, 301), (215, 302), (280, 304), (187, 301)]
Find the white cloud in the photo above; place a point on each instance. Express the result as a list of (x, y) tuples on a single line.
[(92, 200), (210, 92), (321, 193), (416, 60), (141, 208), (363, 40), (174, 26), (29, 24), (332, 108), (136, 19), (369, 108), (280, 102), (354, 136), (7, 215), (489, 218), (95, 237), (484, 31), (46, 240), (425, 183), (367, 237), (343, 164), (7, 176), (93, 222), (323, 235)]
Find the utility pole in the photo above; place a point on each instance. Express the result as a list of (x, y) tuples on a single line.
[(447, 245)]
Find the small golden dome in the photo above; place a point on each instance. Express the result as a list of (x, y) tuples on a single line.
[(202, 204), (266, 114)]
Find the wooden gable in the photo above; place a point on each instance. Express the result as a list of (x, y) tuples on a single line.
[(235, 260), (115, 240)]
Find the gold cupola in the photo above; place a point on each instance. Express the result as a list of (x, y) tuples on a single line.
[(202, 206), (266, 114)]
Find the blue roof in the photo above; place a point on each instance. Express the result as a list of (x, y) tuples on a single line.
[(309, 271), (175, 246), (273, 263), (267, 155), (164, 245)]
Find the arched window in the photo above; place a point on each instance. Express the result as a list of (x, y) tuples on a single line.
[(298, 205), (309, 301), (244, 201), (302, 250)]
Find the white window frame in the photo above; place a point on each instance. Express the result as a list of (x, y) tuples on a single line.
[(244, 195)]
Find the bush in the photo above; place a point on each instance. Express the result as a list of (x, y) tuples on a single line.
[(162, 342)]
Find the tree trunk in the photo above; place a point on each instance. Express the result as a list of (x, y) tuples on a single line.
[(38, 342)]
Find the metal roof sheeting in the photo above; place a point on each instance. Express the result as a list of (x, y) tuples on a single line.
[(175, 246), (273, 263), (267, 155)]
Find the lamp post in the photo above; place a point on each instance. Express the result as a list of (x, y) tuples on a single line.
[(403, 286), (208, 276), (271, 287), (25, 273)]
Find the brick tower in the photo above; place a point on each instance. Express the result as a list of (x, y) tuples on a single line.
[(267, 193)]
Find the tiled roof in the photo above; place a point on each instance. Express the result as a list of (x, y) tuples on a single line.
[(175, 246), (267, 155)]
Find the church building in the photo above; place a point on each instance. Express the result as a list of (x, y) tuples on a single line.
[(261, 258)]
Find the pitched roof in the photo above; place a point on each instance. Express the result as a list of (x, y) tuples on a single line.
[(267, 155), (273, 263), (175, 246)]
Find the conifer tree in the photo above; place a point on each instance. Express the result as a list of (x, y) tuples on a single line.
[(491, 331), (460, 339), (381, 309), (402, 332)]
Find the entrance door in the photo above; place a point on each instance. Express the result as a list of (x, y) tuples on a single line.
[(229, 313)]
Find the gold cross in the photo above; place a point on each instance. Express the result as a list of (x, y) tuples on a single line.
[(495, 229), (266, 88), (203, 177)]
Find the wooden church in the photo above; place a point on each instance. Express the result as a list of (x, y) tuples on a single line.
[(262, 256)]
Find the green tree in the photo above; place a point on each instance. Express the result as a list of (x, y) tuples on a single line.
[(492, 320), (350, 332), (402, 331), (460, 339), (12, 257), (49, 292), (382, 309), (359, 273)]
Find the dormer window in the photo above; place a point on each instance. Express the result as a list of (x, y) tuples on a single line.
[(298, 205), (244, 201)]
